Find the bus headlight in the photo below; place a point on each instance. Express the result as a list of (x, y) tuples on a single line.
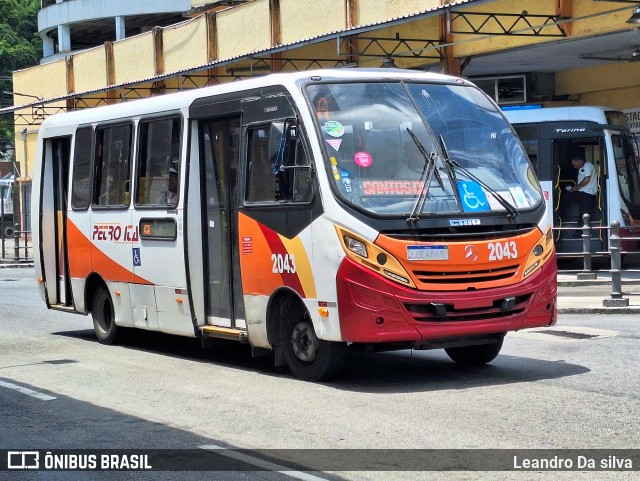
[(355, 246), (373, 257), (539, 254)]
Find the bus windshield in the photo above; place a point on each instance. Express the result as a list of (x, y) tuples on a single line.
[(627, 170), (420, 149)]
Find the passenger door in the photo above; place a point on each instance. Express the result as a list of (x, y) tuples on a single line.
[(219, 140)]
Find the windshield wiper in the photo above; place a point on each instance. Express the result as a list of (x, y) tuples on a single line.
[(428, 158), (512, 211), (426, 177)]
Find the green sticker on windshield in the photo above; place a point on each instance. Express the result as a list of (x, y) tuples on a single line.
[(334, 129)]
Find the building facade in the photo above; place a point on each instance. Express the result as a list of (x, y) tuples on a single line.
[(580, 52)]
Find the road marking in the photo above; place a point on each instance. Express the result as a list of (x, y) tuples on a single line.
[(261, 463), (27, 391)]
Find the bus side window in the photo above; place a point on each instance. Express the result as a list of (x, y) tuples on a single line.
[(279, 168), (81, 180), (111, 183), (158, 159)]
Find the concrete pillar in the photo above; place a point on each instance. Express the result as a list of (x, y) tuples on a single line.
[(48, 46), (64, 38), (120, 28)]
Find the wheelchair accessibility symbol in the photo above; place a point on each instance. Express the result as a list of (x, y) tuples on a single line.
[(472, 196), (137, 261)]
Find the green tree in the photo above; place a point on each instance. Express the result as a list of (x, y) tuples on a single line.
[(20, 47)]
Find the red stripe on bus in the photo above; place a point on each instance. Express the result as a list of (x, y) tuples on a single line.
[(277, 247)]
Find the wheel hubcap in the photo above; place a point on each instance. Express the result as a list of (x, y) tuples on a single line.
[(305, 342)]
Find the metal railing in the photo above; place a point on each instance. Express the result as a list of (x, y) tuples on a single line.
[(22, 249), (614, 253)]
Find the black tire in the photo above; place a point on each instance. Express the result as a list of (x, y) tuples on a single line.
[(104, 322), (308, 357), (475, 355), (8, 231)]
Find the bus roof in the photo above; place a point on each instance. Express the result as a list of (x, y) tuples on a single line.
[(175, 101), (553, 114)]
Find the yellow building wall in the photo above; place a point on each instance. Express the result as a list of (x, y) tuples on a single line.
[(186, 45), (90, 69), (302, 19), (43, 81), (371, 11), (598, 24), (614, 85), (243, 29), (134, 58)]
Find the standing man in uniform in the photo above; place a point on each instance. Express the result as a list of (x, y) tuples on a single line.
[(586, 186)]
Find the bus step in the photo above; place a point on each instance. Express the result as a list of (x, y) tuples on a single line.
[(63, 307), (225, 333)]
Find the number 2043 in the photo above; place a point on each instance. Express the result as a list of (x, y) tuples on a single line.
[(283, 263), (500, 250)]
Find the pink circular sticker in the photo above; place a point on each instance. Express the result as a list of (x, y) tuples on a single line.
[(363, 159)]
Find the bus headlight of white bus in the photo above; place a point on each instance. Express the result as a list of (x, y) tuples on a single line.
[(373, 257)]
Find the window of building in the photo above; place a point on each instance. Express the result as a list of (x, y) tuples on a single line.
[(504, 90), (112, 175)]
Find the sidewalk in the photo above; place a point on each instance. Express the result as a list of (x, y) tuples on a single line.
[(8, 257), (576, 296)]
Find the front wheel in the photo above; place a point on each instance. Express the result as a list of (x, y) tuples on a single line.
[(308, 357), (475, 355), (104, 322)]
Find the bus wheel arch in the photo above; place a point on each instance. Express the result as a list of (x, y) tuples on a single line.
[(291, 333), (98, 301)]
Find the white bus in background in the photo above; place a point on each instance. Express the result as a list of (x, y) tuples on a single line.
[(6, 207), (550, 135)]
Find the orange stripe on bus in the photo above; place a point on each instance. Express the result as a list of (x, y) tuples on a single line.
[(85, 258), (260, 264)]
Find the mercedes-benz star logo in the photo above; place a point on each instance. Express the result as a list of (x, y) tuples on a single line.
[(471, 253)]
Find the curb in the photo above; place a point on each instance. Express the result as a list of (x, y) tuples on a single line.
[(602, 282), (4, 265), (599, 310)]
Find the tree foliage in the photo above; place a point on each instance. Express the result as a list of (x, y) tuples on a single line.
[(20, 47)]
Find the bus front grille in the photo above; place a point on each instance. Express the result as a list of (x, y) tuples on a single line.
[(442, 312), (465, 277)]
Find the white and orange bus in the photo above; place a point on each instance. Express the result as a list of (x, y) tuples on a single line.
[(305, 214)]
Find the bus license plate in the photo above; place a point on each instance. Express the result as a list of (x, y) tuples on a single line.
[(428, 253)]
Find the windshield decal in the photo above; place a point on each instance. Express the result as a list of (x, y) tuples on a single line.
[(334, 129), (519, 197), (335, 143), (472, 196), (363, 159)]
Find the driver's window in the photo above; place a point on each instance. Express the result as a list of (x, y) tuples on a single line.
[(270, 179)]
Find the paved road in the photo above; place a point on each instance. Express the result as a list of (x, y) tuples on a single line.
[(573, 386)]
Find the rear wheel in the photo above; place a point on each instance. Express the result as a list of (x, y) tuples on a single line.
[(308, 357), (475, 355), (104, 322)]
